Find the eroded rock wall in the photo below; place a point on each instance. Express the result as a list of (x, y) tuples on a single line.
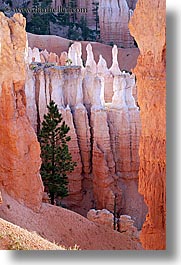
[(151, 82), (20, 151), (114, 16), (105, 135)]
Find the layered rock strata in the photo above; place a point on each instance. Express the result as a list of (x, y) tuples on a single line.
[(20, 151), (151, 82), (105, 135)]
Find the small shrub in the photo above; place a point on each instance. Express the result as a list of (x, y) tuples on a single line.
[(68, 62)]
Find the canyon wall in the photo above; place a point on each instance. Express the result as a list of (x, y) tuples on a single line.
[(151, 82), (20, 151), (114, 16), (105, 127), (110, 17)]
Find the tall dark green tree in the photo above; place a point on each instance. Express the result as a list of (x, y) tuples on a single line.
[(56, 158)]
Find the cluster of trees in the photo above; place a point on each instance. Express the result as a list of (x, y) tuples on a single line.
[(39, 23)]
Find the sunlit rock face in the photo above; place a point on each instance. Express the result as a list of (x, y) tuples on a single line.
[(151, 84), (114, 16), (20, 151), (104, 126)]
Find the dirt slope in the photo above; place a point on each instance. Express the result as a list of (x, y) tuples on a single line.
[(65, 227), (13, 237)]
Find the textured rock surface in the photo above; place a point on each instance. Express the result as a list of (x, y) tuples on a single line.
[(20, 151), (103, 217), (123, 224), (105, 136), (151, 82), (75, 178), (126, 225), (103, 165), (114, 16)]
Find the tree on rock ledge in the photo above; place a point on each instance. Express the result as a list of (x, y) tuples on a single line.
[(56, 158)]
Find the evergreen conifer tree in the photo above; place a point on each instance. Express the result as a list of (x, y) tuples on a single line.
[(56, 158)]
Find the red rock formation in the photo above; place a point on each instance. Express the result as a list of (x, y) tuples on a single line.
[(74, 178), (105, 182), (151, 82), (20, 151), (82, 128), (105, 136), (102, 217)]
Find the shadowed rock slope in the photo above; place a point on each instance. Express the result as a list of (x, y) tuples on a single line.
[(65, 227)]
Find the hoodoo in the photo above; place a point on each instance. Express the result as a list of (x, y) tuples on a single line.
[(115, 108), (105, 128), (20, 151)]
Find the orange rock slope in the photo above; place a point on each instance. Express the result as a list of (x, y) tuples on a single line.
[(19, 152), (148, 27)]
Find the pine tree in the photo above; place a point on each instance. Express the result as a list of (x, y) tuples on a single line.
[(56, 158)]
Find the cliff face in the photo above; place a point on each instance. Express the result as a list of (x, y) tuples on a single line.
[(113, 18), (151, 81), (105, 134), (20, 152)]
